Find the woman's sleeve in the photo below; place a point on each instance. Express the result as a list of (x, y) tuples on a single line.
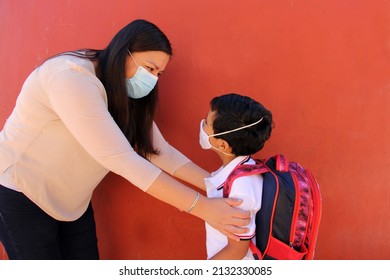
[(79, 100), (169, 158)]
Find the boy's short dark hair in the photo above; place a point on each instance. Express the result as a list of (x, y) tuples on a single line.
[(233, 111)]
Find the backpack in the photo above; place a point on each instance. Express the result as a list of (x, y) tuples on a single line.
[(288, 221)]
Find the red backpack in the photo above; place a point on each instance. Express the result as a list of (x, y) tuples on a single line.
[(288, 221)]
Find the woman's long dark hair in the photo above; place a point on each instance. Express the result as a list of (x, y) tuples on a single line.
[(133, 116)]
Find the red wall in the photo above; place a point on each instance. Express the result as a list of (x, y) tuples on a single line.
[(322, 67)]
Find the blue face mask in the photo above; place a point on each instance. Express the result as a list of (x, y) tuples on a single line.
[(141, 84)]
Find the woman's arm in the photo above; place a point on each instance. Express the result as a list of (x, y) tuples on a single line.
[(175, 163), (234, 250), (192, 174), (218, 212)]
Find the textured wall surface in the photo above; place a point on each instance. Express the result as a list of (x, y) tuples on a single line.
[(321, 67)]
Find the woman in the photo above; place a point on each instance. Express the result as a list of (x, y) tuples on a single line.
[(73, 121)]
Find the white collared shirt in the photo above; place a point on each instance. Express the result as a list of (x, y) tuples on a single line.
[(247, 188)]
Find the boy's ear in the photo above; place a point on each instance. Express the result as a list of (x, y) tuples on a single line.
[(224, 146)]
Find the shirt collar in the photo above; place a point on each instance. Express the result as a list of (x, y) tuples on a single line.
[(218, 177)]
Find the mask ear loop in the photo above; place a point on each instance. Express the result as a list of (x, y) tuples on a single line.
[(236, 129), (225, 153), (133, 58), (233, 130)]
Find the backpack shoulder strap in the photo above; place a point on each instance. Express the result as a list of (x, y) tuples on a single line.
[(243, 170), (259, 167)]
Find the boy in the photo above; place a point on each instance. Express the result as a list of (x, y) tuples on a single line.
[(235, 128)]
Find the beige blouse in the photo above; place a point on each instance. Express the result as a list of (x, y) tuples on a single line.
[(60, 141)]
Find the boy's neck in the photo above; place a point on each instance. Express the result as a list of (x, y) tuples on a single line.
[(226, 159)]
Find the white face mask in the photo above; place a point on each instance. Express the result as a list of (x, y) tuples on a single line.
[(204, 138), (141, 84)]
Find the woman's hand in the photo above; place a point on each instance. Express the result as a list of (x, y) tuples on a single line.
[(223, 215)]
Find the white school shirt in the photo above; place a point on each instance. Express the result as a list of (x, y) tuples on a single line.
[(247, 188), (60, 141)]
